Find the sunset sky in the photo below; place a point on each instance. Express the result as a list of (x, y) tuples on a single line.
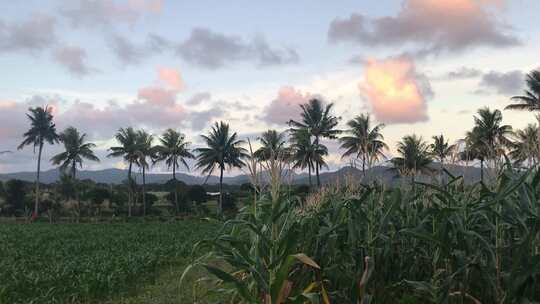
[(419, 66)]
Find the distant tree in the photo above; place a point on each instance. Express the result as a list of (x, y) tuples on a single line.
[(441, 149), (530, 100), (414, 157), (223, 151), (304, 153), (229, 202), (526, 146), (42, 130), (15, 195), (197, 194), (318, 120), (364, 141), (76, 150), (272, 145), (127, 138), (174, 150)]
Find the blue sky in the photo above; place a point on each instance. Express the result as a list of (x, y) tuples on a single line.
[(419, 66)]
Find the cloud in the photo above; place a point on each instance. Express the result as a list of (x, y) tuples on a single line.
[(285, 106), (201, 119), (126, 51), (462, 73), (32, 35), (73, 59), (432, 26), (213, 50), (198, 98), (103, 13), (158, 96), (503, 83), (395, 91), (171, 78)]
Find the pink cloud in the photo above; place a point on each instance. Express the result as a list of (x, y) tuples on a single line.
[(157, 96), (171, 78), (286, 105), (395, 91)]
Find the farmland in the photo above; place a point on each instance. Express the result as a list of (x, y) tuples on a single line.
[(80, 263)]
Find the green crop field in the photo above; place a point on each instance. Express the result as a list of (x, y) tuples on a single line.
[(85, 263)]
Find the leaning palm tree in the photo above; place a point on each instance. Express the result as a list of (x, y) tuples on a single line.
[(304, 153), (146, 152), (127, 138), (489, 137), (364, 142), (273, 145), (76, 151), (414, 157), (223, 151), (319, 121), (530, 101), (173, 149), (42, 130)]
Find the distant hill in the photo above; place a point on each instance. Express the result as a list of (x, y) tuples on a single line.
[(117, 176)]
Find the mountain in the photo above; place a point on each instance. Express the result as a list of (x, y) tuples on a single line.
[(117, 176)]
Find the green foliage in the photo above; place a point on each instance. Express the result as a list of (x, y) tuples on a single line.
[(15, 197), (44, 263), (197, 194)]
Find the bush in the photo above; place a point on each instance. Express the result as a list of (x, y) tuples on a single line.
[(197, 194)]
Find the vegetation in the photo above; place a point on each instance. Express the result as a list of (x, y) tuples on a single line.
[(78, 263)]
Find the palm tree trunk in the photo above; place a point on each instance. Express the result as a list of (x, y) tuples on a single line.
[(78, 197), (36, 206), (220, 205), (482, 170), (130, 190), (144, 190), (309, 176), (175, 188), (317, 165), (364, 166)]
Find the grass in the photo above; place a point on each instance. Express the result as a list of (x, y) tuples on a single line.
[(86, 263)]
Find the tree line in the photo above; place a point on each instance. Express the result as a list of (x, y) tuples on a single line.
[(489, 141)]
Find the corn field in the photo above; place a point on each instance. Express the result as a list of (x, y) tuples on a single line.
[(82, 263), (447, 243)]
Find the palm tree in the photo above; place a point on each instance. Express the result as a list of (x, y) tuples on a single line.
[(76, 151), (145, 150), (488, 137), (42, 130), (273, 144), (441, 150), (304, 153), (173, 149), (127, 138), (363, 142), (222, 150), (318, 120), (526, 146), (414, 157), (530, 101)]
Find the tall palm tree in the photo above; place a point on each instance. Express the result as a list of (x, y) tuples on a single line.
[(223, 151), (489, 137), (273, 144), (526, 147), (146, 152), (319, 121), (42, 130), (530, 101), (174, 149), (414, 157), (76, 151), (304, 153), (127, 138), (364, 142)]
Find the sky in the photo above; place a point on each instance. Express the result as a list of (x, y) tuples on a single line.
[(419, 66)]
